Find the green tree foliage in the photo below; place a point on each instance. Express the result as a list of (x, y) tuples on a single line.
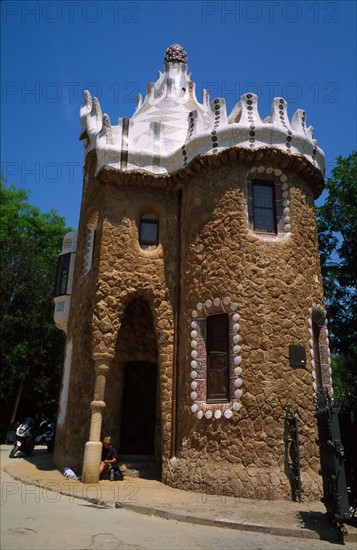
[(338, 247), (31, 345)]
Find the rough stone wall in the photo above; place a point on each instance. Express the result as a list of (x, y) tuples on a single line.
[(274, 283), (121, 272), (127, 271)]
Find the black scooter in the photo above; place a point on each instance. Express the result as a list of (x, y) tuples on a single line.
[(27, 437)]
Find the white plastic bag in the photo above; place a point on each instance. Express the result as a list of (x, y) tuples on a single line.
[(69, 473)]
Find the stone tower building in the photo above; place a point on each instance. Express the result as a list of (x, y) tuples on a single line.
[(192, 295)]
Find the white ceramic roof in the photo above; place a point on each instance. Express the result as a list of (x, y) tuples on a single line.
[(170, 127)]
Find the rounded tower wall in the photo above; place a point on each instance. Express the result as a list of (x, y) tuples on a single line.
[(273, 280)]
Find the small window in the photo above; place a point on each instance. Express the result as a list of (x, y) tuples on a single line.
[(264, 215), (89, 244), (149, 230), (90, 249), (62, 274), (217, 359)]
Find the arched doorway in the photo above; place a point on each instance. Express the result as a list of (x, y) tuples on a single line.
[(139, 408), (138, 383)]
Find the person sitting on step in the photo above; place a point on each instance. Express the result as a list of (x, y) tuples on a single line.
[(109, 456)]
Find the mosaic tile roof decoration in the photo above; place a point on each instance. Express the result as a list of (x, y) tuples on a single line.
[(170, 128), (175, 52)]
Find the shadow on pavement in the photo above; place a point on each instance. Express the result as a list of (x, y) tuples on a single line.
[(321, 524), (39, 458)]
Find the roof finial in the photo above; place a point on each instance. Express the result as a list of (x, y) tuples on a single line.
[(175, 52)]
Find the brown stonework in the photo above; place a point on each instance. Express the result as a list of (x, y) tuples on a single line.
[(124, 309)]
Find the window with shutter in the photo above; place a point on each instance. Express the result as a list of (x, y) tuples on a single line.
[(217, 359)]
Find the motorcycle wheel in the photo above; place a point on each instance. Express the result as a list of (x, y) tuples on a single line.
[(13, 451)]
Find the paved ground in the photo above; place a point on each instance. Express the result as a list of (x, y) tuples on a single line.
[(290, 519), (31, 520)]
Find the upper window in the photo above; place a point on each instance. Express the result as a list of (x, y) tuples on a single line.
[(149, 230), (62, 273), (264, 214), (217, 358)]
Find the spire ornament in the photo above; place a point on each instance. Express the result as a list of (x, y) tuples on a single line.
[(175, 52)]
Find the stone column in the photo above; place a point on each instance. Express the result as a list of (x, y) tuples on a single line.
[(93, 447)]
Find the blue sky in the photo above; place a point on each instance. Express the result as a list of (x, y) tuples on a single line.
[(304, 51)]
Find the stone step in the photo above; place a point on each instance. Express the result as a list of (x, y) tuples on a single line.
[(130, 473), (144, 474), (144, 466)]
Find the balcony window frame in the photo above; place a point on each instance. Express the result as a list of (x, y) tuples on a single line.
[(61, 268)]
